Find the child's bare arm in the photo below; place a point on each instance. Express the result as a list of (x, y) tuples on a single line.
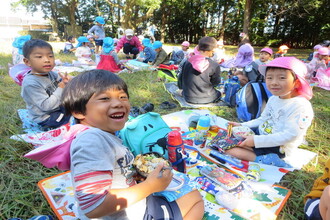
[(118, 199)]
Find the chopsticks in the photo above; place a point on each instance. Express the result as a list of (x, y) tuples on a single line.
[(229, 130)]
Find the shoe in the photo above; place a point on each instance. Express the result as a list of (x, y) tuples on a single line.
[(272, 159), (167, 105), (147, 108), (135, 111)]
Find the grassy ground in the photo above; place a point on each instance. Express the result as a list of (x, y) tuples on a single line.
[(20, 196)]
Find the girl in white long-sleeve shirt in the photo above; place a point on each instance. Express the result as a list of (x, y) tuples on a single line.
[(286, 118)]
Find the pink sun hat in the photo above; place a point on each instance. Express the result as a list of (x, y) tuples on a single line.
[(323, 51), (185, 44), (296, 66), (267, 50)]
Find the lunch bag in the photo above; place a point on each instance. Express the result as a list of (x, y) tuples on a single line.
[(146, 133)]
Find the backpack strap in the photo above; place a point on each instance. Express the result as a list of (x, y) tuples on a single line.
[(264, 96)]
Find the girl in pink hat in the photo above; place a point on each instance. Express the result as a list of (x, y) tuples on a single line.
[(287, 116), (251, 70), (179, 55), (320, 61)]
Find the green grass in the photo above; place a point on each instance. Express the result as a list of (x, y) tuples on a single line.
[(20, 196)]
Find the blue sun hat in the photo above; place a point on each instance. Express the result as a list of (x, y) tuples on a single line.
[(108, 44), (157, 45), (100, 20), (81, 40), (20, 41), (146, 42)]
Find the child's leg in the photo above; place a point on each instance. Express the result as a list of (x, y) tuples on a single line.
[(242, 153), (97, 49), (191, 205), (325, 204)]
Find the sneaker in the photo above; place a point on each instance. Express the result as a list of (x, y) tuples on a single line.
[(272, 159), (167, 105), (147, 108)]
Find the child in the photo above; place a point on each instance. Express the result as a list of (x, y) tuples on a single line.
[(317, 202), (68, 47), (241, 77), (148, 53), (97, 31), (91, 43), (282, 51), (17, 52), (178, 56), (244, 57), (103, 184), (42, 88), (219, 53), (321, 60), (83, 52), (130, 44), (109, 59), (161, 56), (286, 117), (200, 75), (251, 70), (313, 54)]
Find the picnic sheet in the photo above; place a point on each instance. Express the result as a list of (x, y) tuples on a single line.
[(172, 87), (70, 69), (265, 202)]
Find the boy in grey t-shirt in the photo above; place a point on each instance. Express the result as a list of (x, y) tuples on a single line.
[(42, 88)]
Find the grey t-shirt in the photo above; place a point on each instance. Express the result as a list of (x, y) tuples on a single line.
[(41, 95), (97, 150)]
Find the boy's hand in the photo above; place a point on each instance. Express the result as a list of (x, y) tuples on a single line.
[(65, 77), (234, 123), (248, 142), (159, 179)]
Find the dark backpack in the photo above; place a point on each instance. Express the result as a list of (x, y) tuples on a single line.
[(231, 88), (251, 100)]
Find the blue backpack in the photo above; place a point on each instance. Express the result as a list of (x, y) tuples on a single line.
[(231, 88), (251, 100), (146, 133)]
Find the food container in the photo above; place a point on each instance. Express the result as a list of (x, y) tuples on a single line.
[(240, 131), (146, 163)]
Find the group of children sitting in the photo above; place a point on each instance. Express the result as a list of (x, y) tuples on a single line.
[(99, 100)]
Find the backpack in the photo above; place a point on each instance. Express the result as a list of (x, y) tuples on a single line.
[(167, 72), (57, 153), (251, 100), (146, 133), (231, 88)]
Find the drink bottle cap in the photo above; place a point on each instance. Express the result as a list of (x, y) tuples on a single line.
[(174, 138), (204, 121)]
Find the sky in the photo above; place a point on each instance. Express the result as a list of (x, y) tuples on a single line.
[(5, 10)]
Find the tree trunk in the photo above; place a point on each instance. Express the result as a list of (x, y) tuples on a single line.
[(247, 19), (72, 5), (224, 21)]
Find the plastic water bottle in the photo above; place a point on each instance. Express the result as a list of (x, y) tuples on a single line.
[(203, 125), (176, 153)]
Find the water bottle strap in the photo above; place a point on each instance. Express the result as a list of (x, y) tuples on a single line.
[(183, 157)]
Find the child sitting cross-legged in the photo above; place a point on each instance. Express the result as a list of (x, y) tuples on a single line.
[(83, 51), (42, 88), (103, 186), (161, 56), (286, 117), (149, 54)]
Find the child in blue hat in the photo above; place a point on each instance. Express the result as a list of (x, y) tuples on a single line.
[(18, 49), (161, 56), (97, 31), (109, 59), (149, 54), (83, 52)]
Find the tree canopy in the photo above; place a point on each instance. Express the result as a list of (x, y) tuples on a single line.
[(298, 23)]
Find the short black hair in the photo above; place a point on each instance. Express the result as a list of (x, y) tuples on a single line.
[(70, 38), (81, 88), (207, 44), (280, 68), (33, 43)]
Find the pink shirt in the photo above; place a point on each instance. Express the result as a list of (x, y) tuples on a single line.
[(134, 41)]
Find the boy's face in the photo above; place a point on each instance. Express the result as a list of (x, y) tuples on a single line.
[(264, 56), (41, 60), (98, 24), (324, 57), (184, 48), (280, 82), (107, 111)]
